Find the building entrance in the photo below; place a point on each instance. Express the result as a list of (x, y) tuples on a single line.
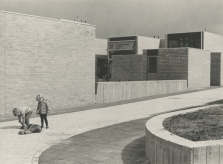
[(151, 67)]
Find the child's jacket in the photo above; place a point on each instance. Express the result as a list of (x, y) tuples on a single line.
[(42, 107)]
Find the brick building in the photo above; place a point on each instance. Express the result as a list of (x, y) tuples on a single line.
[(194, 56), (189, 64), (52, 57), (125, 54), (205, 41), (201, 40)]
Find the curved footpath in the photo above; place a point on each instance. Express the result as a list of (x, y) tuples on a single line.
[(90, 131)]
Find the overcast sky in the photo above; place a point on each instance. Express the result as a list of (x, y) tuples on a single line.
[(129, 17)]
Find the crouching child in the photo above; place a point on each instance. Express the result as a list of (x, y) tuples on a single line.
[(23, 113)]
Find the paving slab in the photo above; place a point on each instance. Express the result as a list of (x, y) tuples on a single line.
[(24, 149)]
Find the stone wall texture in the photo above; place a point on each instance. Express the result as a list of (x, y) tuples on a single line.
[(144, 66), (215, 69), (45, 56), (173, 64), (185, 64), (127, 68)]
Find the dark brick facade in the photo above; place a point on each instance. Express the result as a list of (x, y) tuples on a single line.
[(215, 69), (127, 68), (173, 64), (144, 66)]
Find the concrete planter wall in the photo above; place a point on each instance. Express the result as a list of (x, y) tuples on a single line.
[(163, 147), (119, 91)]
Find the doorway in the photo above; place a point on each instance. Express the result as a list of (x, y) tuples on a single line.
[(151, 67)]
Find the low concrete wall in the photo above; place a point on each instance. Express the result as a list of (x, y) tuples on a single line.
[(163, 147), (118, 91)]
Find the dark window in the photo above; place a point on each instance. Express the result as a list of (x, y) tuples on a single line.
[(181, 43), (185, 40), (152, 65), (171, 44)]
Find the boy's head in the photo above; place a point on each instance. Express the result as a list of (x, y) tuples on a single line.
[(39, 98), (15, 112)]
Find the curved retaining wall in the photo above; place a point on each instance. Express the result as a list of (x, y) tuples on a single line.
[(163, 147)]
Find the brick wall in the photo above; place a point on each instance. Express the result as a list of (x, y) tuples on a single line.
[(126, 67), (199, 62), (172, 64), (213, 42), (45, 56), (215, 69), (144, 65)]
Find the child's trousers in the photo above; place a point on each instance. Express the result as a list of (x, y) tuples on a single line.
[(44, 118)]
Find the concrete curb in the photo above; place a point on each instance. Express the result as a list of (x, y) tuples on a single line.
[(165, 147)]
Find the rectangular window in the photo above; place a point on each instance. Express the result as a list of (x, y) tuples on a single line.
[(181, 43), (171, 44), (120, 45), (175, 43), (186, 42)]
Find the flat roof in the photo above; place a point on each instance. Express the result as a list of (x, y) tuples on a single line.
[(54, 19), (132, 36), (186, 32)]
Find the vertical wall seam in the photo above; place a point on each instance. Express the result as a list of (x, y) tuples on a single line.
[(202, 40), (4, 63), (220, 69), (187, 66)]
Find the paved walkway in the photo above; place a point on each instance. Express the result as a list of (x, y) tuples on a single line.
[(122, 143), (27, 149)]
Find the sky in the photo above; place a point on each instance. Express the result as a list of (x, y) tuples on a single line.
[(129, 17)]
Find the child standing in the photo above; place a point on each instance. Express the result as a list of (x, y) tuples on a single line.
[(42, 110)]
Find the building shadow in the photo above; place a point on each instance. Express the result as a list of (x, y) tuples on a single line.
[(10, 127), (134, 152), (219, 102)]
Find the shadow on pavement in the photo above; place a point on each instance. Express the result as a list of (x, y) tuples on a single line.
[(134, 152), (215, 102), (10, 127)]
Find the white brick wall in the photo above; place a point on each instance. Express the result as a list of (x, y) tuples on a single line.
[(147, 43), (198, 68), (51, 57), (101, 46), (213, 42)]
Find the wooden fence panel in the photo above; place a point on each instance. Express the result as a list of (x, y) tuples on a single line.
[(118, 91)]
